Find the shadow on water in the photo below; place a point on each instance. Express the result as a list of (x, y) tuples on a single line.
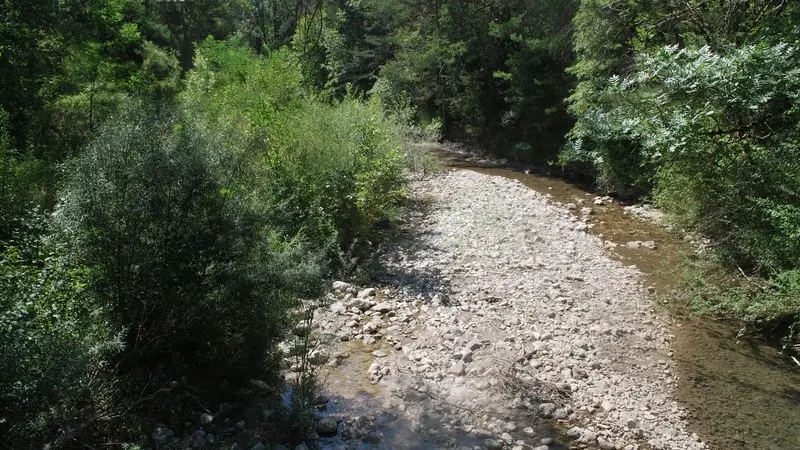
[(370, 422), (740, 393)]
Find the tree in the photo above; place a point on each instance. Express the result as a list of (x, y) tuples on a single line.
[(181, 261)]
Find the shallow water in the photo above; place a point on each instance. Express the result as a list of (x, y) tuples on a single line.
[(740, 394), (353, 395)]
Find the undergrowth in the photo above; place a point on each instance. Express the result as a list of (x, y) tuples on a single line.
[(766, 306)]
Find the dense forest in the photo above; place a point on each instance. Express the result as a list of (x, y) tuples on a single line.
[(176, 175)]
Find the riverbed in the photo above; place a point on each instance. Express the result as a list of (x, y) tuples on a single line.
[(740, 392)]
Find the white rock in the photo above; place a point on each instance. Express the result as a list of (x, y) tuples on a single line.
[(457, 368), (338, 308), (341, 286), (365, 293), (358, 303), (383, 307)]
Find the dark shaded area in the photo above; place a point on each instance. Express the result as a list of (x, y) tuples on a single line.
[(415, 281)]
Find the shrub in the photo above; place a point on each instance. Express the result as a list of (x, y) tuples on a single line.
[(404, 114), (709, 288), (239, 91), (328, 172), (717, 135), (720, 136), (23, 180), (160, 71), (182, 262), (333, 171), (55, 345)]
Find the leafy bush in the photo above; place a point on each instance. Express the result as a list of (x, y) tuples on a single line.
[(238, 90), (333, 172), (160, 71), (55, 344), (398, 106), (717, 135), (23, 180), (328, 172), (182, 262)]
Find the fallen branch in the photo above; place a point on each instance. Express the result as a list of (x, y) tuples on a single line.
[(512, 384), (751, 281)]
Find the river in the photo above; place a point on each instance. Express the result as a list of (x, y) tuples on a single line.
[(740, 392)]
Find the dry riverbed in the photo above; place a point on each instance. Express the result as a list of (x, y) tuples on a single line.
[(496, 321)]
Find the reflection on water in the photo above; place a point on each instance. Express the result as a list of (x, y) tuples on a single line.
[(351, 397), (374, 420), (741, 394)]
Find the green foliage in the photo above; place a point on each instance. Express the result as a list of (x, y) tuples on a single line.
[(343, 45), (64, 67), (320, 47), (183, 23), (20, 177), (326, 172), (243, 93), (602, 44), (602, 47), (707, 125), (160, 71), (535, 39), (187, 233), (478, 69), (686, 108), (67, 48), (55, 344), (609, 37), (332, 172), (760, 303), (182, 262)]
